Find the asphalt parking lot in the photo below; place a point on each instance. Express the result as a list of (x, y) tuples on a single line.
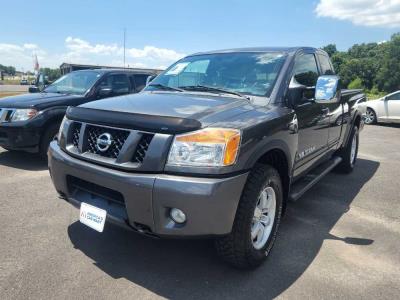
[(341, 240), (13, 88)]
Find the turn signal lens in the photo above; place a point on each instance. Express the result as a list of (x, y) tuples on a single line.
[(210, 147)]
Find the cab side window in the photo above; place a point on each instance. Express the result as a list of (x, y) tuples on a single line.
[(325, 63), (140, 82), (118, 83), (306, 70), (306, 73)]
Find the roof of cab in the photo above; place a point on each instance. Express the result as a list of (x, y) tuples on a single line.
[(109, 70), (257, 49)]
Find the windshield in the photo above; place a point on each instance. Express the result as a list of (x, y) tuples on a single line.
[(249, 73), (77, 83)]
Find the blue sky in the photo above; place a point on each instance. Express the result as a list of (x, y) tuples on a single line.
[(159, 32)]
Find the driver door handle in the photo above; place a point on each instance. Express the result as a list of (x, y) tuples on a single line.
[(325, 111)]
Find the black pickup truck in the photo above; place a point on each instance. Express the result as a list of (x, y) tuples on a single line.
[(29, 122), (215, 146)]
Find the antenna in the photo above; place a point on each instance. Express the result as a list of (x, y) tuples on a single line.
[(124, 44)]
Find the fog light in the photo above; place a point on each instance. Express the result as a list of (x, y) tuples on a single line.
[(178, 216)]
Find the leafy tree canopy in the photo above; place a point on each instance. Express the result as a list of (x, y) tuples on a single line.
[(7, 69), (52, 74), (372, 66)]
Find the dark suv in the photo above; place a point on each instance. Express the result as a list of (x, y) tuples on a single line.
[(29, 122)]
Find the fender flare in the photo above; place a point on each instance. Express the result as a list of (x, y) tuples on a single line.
[(264, 148), (357, 113)]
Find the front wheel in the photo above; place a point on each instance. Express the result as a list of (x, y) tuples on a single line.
[(370, 117), (257, 220), (48, 136)]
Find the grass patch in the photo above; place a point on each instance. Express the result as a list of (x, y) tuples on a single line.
[(7, 94), (373, 96)]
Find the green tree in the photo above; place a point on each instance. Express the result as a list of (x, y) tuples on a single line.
[(376, 66), (356, 84), (330, 49), (8, 69), (388, 75), (52, 74)]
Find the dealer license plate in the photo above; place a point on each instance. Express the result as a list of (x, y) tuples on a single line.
[(92, 216)]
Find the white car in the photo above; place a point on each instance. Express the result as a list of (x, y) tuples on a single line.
[(385, 109)]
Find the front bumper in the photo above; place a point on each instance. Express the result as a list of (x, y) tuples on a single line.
[(142, 201), (16, 137)]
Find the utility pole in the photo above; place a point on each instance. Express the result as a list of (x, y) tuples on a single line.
[(124, 44)]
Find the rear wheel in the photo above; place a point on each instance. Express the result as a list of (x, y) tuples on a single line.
[(349, 153), (257, 220), (49, 135), (370, 117)]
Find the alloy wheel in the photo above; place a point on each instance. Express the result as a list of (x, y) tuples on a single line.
[(263, 219)]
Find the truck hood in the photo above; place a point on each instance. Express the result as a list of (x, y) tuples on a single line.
[(171, 112), (38, 100), (170, 104)]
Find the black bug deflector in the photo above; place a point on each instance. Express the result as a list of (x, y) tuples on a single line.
[(151, 123)]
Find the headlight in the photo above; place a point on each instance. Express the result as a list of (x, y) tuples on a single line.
[(61, 129), (210, 147), (23, 114)]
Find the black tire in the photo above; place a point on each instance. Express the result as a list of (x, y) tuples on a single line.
[(371, 118), (237, 248), (348, 162), (48, 136)]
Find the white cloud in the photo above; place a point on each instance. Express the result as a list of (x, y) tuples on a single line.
[(81, 51), (16, 55), (77, 50), (31, 46), (379, 13)]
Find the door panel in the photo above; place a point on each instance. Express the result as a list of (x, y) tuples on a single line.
[(393, 107), (335, 110), (313, 122), (313, 118), (381, 109)]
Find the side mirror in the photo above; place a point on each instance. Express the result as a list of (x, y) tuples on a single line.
[(150, 79), (327, 89), (105, 92), (33, 89)]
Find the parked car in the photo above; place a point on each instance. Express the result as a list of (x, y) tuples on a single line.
[(385, 109), (29, 122), (24, 82), (215, 146)]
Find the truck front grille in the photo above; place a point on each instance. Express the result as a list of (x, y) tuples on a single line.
[(142, 147), (118, 140), (83, 141), (76, 129)]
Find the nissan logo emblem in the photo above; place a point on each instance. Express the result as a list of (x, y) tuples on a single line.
[(104, 142)]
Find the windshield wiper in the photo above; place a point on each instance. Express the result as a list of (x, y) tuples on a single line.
[(165, 87), (211, 89), (62, 93)]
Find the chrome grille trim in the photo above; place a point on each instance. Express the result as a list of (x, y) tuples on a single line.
[(127, 152)]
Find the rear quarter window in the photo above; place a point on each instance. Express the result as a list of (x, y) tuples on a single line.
[(326, 66)]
